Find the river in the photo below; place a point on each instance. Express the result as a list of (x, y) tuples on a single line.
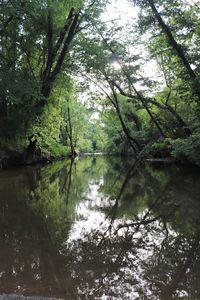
[(99, 228)]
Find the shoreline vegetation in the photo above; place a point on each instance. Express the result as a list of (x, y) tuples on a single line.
[(19, 160), (71, 81)]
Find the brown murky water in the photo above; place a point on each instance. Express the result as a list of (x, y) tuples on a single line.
[(98, 229)]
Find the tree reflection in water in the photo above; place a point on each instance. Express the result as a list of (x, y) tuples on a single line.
[(99, 227)]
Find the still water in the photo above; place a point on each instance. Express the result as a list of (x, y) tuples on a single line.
[(98, 228)]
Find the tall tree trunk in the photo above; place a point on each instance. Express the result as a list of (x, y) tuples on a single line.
[(57, 54)]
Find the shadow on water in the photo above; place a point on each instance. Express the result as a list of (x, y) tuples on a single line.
[(95, 228)]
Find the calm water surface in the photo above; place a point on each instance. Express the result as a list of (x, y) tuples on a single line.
[(97, 228)]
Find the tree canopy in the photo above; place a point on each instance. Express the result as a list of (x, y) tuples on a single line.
[(73, 81)]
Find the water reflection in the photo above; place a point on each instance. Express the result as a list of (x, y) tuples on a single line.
[(100, 228)]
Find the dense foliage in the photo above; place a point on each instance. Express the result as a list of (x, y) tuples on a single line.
[(71, 81)]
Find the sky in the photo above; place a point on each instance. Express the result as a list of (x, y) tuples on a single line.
[(127, 15), (121, 9)]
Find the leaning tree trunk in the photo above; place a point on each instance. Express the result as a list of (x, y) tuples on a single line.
[(178, 49)]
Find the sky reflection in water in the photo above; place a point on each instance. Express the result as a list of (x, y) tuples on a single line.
[(99, 229)]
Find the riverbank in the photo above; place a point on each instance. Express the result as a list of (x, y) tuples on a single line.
[(23, 160), (16, 159)]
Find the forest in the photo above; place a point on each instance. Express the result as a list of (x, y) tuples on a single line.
[(99, 149), (74, 80)]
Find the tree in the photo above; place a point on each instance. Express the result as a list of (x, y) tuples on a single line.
[(36, 40)]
